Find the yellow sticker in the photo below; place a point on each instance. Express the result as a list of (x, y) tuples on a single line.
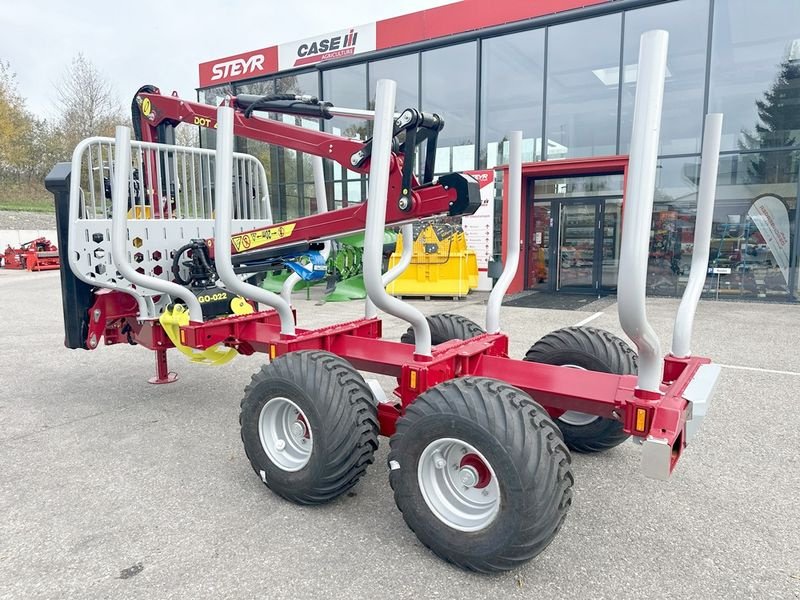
[(261, 237), (146, 107)]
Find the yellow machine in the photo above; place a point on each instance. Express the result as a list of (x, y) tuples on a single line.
[(442, 264)]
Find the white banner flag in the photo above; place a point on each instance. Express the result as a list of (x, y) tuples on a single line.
[(772, 219)]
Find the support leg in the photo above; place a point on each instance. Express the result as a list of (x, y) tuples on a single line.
[(163, 374)]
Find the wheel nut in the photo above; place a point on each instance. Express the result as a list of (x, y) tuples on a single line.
[(440, 463), (280, 445), (468, 476)]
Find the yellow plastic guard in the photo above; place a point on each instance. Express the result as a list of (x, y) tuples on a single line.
[(137, 213), (445, 267), (172, 321)]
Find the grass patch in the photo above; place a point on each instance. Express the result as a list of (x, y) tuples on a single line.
[(37, 207), (32, 197)]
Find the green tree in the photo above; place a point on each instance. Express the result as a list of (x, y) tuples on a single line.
[(15, 124), (778, 126)]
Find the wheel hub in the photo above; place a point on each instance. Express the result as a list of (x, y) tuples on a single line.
[(458, 484), (285, 436), (469, 476), (298, 429)]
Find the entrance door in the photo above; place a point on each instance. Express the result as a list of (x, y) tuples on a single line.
[(577, 246), (588, 245), (573, 237)]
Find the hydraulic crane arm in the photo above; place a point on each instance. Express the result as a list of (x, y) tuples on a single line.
[(155, 116)]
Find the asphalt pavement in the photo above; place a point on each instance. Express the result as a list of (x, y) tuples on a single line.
[(114, 488)]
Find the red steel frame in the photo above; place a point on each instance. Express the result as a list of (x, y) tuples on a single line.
[(114, 317), (359, 342)]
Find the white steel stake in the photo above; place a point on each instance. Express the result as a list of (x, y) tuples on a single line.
[(222, 226), (638, 208), (684, 320), (119, 231), (376, 220), (513, 235), (322, 207)]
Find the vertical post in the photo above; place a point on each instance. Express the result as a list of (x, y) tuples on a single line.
[(513, 236), (407, 231), (684, 320), (222, 227), (381, 164), (638, 210), (322, 207), (119, 234), (76, 295), (163, 374)]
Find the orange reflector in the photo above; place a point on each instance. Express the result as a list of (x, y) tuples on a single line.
[(641, 418), (273, 351), (412, 383), (183, 337)]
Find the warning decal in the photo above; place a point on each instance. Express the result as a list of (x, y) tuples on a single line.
[(261, 237)]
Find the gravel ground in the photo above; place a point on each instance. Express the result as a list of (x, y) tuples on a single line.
[(26, 220)]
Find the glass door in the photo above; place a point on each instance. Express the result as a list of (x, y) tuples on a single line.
[(610, 244), (577, 246), (572, 240)]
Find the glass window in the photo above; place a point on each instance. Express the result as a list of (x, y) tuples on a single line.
[(753, 232), (682, 116), (346, 87), (512, 83), (212, 96), (755, 73), (582, 87), (449, 89), (402, 69), (672, 234), (591, 186), (287, 169), (755, 224)]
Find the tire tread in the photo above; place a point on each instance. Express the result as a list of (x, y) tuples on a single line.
[(446, 327), (351, 421), (535, 446), (601, 347)]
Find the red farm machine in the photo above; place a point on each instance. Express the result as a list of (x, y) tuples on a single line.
[(37, 255), (480, 442)]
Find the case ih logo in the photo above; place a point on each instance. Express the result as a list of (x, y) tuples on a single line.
[(327, 47), (237, 67)]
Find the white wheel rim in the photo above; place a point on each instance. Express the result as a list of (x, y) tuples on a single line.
[(458, 484), (285, 434), (573, 417)]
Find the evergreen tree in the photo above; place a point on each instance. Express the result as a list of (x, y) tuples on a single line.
[(777, 127)]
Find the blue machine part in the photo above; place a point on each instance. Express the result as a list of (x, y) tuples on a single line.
[(313, 268)]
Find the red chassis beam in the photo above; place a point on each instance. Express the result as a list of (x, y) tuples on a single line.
[(556, 388), (425, 201), (113, 316)]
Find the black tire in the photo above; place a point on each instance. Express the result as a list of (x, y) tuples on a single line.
[(522, 445), (339, 410), (594, 350), (446, 327)]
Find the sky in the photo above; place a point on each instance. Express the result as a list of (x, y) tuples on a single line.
[(161, 42)]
